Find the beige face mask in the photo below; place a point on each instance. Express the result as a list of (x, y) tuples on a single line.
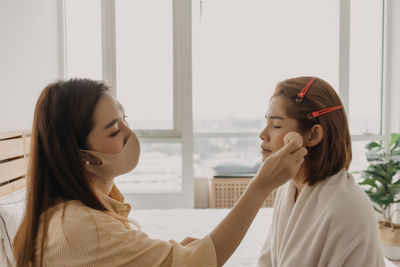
[(113, 165)]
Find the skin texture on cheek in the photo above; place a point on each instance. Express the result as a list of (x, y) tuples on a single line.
[(100, 139), (278, 125), (273, 138)]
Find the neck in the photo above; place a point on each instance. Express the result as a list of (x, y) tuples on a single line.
[(298, 182), (104, 185)]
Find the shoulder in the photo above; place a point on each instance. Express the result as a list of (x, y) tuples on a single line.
[(76, 221), (347, 203)]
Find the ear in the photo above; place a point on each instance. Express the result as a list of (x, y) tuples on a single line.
[(90, 159), (314, 136)]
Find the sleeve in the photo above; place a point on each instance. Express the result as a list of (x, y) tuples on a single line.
[(111, 243), (354, 236), (265, 259), (366, 250), (144, 251)]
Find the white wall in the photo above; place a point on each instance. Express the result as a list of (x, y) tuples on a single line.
[(29, 58)]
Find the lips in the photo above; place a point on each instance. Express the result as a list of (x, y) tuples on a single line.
[(264, 150)]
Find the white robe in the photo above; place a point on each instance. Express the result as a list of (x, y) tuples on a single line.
[(331, 224)]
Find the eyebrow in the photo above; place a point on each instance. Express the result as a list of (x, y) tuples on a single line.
[(274, 117), (111, 123)]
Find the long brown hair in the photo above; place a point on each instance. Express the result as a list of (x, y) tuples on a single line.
[(333, 153), (63, 119)]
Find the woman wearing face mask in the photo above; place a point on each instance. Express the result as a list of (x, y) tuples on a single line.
[(75, 215)]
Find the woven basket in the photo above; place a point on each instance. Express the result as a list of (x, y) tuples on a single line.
[(224, 192)]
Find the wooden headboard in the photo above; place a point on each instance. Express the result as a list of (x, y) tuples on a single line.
[(14, 154)]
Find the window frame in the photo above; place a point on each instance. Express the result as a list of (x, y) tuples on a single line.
[(182, 131), (344, 80)]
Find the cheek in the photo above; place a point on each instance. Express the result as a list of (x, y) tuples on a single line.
[(277, 141)]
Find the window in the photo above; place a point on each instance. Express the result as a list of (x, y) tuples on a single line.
[(159, 169), (237, 62), (150, 49), (366, 21), (149, 68), (83, 39), (365, 112), (144, 62)]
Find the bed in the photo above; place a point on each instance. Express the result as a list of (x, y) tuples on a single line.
[(162, 224)]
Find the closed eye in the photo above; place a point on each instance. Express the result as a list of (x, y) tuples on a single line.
[(115, 133)]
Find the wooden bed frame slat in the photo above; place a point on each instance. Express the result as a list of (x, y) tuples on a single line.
[(11, 135), (27, 145), (12, 169), (11, 148), (12, 187), (14, 156)]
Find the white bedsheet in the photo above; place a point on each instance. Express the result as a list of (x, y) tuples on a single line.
[(180, 223)]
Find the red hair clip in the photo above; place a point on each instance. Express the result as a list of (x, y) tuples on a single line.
[(322, 112), (303, 92)]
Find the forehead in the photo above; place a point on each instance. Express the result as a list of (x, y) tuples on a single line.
[(277, 107), (107, 109)]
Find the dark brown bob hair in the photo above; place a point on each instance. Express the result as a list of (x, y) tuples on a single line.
[(333, 153)]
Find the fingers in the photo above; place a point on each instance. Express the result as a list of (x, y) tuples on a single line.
[(298, 156), (300, 161), (288, 148), (300, 153), (293, 161)]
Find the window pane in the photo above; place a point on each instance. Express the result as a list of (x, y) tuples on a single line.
[(365, 66), (226, 156), (238, 60), (159, 170), (359, 161), (144, 62), (241, 156), (83, 39)]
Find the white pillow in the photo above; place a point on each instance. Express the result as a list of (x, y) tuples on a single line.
[(12, 208), (234, 166)]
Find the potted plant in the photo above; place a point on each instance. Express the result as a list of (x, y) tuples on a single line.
[(381, 181)]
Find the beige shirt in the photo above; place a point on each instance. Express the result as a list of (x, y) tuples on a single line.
[(88, 237)]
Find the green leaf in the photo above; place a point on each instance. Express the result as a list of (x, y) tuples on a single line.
[(394, 137), (372, 145), (370, 182), (394, 189), (378, 198), (373, 174), (375, 208), (383, 191), (380, 178)]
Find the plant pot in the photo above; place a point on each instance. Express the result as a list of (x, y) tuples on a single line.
[(390, 239)]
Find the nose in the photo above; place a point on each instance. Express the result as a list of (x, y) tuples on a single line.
[(125, 129), (264, 135)]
